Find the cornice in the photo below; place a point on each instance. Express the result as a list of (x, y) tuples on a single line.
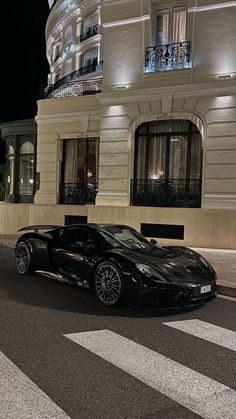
[(217, 88)]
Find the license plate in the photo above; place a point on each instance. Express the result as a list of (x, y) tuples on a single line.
[(207, 288)]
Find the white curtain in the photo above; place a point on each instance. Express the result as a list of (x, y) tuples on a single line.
[(71, 161), (157, 154), (141, 157), (163, 27), (178, 157), (179, 25), (196, 152)]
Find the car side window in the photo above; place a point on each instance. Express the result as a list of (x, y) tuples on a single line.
[(68, 236), (85, 239)]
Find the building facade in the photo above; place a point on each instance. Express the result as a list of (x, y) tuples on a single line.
[(138, 123)]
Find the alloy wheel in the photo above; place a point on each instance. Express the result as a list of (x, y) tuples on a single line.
[(108, 284), (22, 258)]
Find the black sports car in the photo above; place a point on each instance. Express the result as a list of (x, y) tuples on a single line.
[(117, 263)]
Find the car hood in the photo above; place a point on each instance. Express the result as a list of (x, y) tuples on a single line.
[(174, 267)]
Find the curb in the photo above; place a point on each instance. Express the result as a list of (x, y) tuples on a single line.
[(229, 291)]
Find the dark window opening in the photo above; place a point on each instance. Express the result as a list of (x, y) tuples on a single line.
[(76, 219), (167, 164), (163, 231), (79, 171)]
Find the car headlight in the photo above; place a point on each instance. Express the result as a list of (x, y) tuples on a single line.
[(150, 272)]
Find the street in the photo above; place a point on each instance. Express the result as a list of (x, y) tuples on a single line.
[(132, 362)]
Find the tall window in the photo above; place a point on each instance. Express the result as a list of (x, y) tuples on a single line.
[(68, 37), (10, 167), (80, 161), (26, 169), (90, 59), (168, 150), (171, 25)]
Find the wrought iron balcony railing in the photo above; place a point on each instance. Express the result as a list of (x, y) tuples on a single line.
[(166, 193), (70, 80), (167, 57), (76, 88), (90, 32), (78, 194)]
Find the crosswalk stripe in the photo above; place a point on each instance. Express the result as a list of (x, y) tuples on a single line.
[(21, 398), (206, 331), (200, 394)]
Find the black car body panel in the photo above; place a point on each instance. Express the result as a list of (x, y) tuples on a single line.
[(151, 275)]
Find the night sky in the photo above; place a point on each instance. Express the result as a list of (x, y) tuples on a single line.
[(23, 65)]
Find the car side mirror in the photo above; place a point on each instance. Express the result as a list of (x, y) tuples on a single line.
[(153, 242)]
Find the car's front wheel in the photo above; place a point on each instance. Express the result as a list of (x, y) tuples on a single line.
[(23, 258), (109, 284)]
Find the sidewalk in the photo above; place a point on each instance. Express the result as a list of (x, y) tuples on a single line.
[(222, 260)]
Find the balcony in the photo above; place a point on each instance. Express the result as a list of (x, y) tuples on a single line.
[(78, 194), (167, 57), (90, 32), (76, 88), (181, 193)]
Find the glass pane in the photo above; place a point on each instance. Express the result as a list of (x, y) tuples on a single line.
[(168, 126), (10, 175), (157, 156), (196, 149), (10, 149), (27, 147), (162, 27), (26, 174), (179, 25), (141, 157), (178, 157), (81, 160)]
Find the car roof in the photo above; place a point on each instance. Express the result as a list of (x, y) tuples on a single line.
[(94, 225), (51, 227)]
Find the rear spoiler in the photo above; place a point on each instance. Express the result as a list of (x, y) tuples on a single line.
[(40, 227)]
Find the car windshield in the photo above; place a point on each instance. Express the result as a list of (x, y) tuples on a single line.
[(122, 236)]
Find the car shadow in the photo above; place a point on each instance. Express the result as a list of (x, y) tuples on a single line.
[(37, 290)]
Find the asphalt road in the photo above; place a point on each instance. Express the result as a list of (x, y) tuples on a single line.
[(35, 315)]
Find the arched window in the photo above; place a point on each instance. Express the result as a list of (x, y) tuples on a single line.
[(167, 164), (26, 169)]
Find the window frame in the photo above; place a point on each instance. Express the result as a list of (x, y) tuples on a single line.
[(170, 8)]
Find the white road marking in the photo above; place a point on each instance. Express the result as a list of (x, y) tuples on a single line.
[(200, 394), (21, 398), (206, 331)]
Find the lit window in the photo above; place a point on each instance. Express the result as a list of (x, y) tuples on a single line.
[(171, 25), (26, 170)]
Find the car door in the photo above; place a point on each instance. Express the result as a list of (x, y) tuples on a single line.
[(75, 253)]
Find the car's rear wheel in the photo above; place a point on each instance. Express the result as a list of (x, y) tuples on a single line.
[(109, 284), (23, 258)]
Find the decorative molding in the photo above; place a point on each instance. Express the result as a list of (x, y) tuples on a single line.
[(166, 104), (212, 7), (74, 135), (126, 21)]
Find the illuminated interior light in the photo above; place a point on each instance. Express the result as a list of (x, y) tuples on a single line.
[(121, 87), (224, 76)]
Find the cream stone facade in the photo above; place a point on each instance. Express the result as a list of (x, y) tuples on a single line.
[(144, 83)]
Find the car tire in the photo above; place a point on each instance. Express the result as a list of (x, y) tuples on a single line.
[(23, 258), (109, 284)]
